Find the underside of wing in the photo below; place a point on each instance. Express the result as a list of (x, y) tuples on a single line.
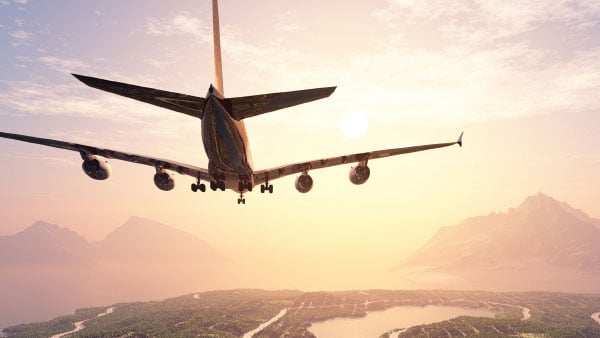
[(181, 168), (186, 104), (248, 106), (290, 169)]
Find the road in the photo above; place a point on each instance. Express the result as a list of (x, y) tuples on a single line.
[(80, 325), (265, 324)]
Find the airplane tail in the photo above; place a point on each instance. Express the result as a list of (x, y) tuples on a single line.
[(217, 48)]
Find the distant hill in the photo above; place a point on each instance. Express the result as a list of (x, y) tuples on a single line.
[(544, 244), (143, 239), (45, 243), (47, 270)]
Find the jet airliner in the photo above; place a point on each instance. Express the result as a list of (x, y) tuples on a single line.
[(223, 135)]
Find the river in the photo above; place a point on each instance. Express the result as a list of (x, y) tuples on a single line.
[(377, 323)]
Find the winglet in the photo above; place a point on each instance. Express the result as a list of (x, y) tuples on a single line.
[(459, 142)]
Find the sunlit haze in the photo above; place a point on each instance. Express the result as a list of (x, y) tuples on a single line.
[(520, 78)]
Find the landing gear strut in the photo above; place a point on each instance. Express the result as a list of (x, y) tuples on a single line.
[(198, 186)]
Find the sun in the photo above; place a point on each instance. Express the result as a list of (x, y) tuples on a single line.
[(354, 124)]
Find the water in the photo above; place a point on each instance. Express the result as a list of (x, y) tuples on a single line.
[(377, 323)]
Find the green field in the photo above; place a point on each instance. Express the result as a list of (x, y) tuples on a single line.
[(232, 313)]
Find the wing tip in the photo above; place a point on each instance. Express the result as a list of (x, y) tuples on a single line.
[(82, 78), (459, 141)]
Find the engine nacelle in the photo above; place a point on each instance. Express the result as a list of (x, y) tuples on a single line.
[(304, 183), (96, 168), (164, 181), (359, 174)]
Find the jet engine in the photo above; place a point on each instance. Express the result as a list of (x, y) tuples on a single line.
[(304, 183), (359, 174), (164, 181), (95, 168)]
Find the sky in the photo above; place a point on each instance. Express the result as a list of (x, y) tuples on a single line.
[(519, 77)]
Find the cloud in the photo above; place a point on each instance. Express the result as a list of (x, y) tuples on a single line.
[(178, 25), (285, 23), (63, 65), (20, 37), (7, 2), (481, 20)]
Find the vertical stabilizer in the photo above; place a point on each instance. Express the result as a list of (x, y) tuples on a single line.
[(217, 42)]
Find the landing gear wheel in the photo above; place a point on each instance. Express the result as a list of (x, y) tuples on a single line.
[(213, 186), (221, 185), (266, 187), (196, 187), (244, 185)]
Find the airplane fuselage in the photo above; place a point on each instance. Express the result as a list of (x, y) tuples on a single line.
[(226, 144)]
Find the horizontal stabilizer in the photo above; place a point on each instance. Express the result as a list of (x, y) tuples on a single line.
[(186, 104), (248, 106)]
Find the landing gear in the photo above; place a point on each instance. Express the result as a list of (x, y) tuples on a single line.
[(198, 186), (217, 185), (245, 185), (266, 187), (241, 200)]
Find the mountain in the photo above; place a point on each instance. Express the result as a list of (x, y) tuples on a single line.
[(544, 244), (45, 243), (143, 239), (46, 270)]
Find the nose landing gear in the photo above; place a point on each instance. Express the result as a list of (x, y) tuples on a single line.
[(241, 200)]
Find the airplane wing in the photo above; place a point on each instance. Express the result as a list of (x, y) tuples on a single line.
[(186, 104), (274, 173), (184, 169), (249, 106)]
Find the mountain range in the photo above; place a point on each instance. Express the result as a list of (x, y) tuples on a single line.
[(543, 244), (47, 270)]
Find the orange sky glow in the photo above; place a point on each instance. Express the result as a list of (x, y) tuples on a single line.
[(520, 78)]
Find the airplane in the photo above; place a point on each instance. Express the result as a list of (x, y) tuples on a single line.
[(223, 135)]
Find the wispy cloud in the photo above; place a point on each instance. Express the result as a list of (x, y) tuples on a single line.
[(63, 65), (179, 24), (20, 37), (7, 2), (60, 161), (481, 20), (285, 23)]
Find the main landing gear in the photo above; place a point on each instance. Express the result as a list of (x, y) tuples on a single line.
[(266, 187), (245, 185), (198, 186), (217, 185)]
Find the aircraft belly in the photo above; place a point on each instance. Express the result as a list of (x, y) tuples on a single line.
[(224, 145)]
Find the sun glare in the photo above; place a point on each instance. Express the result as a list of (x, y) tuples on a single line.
[(354, 124)]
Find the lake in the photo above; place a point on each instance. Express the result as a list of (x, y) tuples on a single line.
[(377, 323)]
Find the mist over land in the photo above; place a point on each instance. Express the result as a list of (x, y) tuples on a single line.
[(543, 245)]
